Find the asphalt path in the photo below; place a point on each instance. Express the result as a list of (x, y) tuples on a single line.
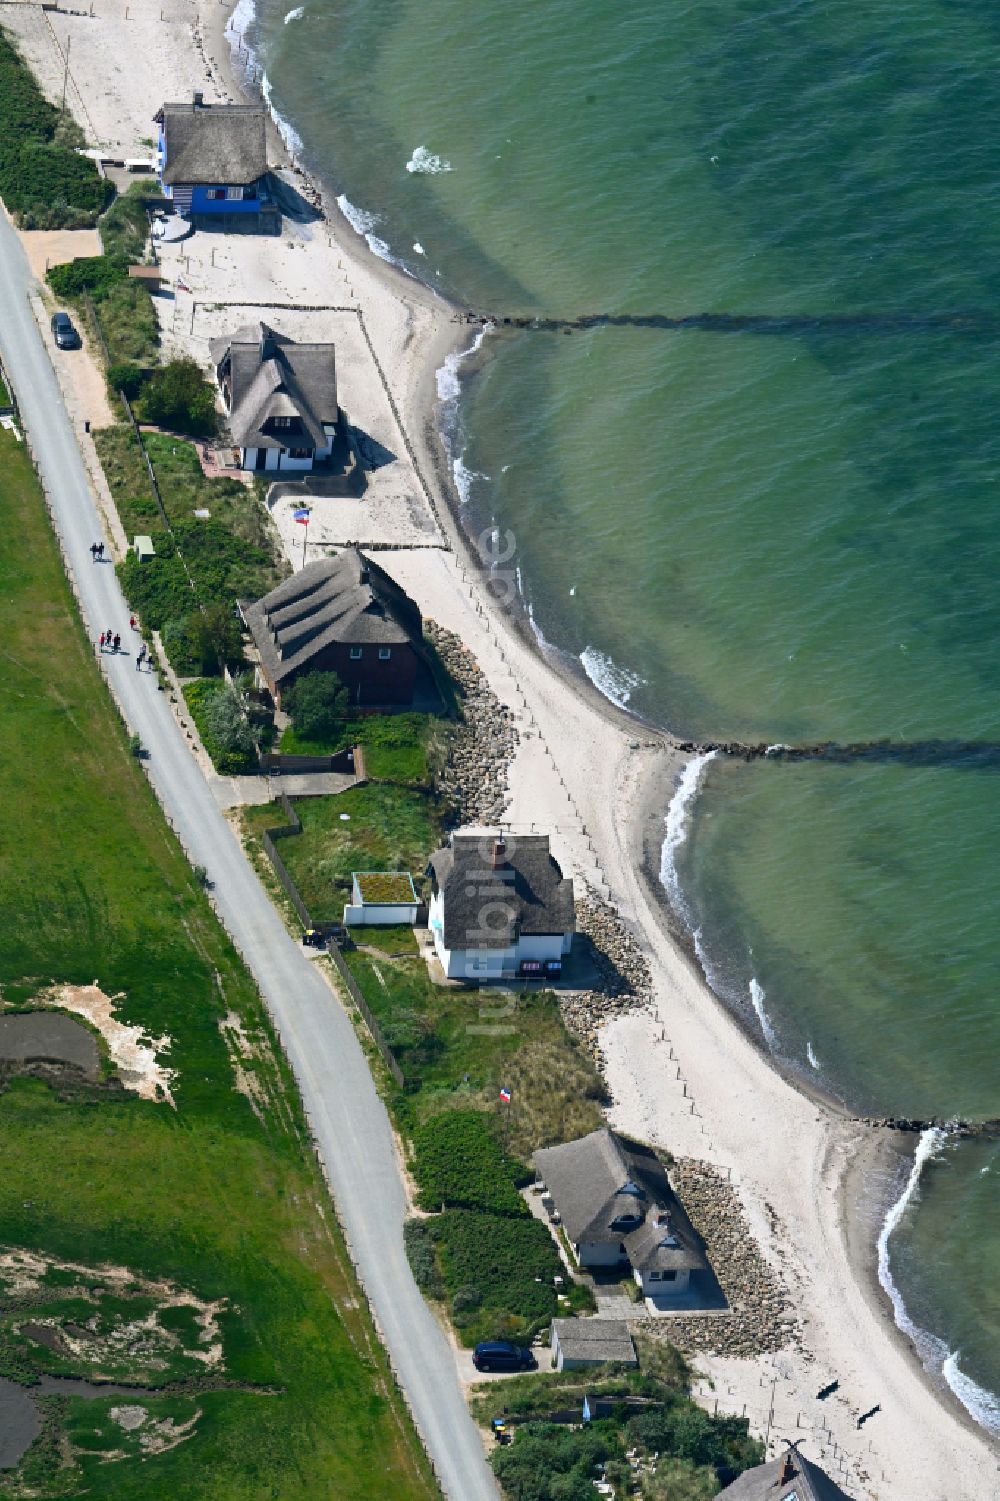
[(348, 1118)]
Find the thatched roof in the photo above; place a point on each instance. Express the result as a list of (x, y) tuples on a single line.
[(790, 1477), (610, 1190), (220, 144), (526, 892), (346, 599), (270, 375)]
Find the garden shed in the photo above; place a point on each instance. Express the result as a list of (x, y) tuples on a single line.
[(381, 898)]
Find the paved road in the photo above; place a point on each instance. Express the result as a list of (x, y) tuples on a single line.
[(348, 1118)]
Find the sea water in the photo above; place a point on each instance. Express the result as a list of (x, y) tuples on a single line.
[(781, 524)]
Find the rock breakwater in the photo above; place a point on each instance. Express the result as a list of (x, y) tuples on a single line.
[(474, 779)]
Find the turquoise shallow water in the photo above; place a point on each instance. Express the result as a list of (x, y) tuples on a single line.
[(787, 531)]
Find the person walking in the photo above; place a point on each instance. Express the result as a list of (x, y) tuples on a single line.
[(132, 623), (139, 660), (118, 642), (100, 551), (102, 640), (93, 552)]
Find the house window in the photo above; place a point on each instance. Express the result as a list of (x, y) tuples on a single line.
[(249, 193), (384, 653), (669, 1276), (281, 421), (355, 653), (216, 194), (299, 453), (654, 1276), (235, 194)]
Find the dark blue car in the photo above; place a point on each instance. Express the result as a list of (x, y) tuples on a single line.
[(499, 1355)]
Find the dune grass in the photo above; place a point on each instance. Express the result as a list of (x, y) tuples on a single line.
[(222, 1199)]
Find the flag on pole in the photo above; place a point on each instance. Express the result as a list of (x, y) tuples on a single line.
[(302, 516), (505, 1096)]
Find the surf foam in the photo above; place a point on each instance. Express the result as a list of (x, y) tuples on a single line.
[(813, 1060), (427, 163), (287, 132), (616, 683), (677, 823), (364, 223), (983, 1405), (296, 14), (757, 998)]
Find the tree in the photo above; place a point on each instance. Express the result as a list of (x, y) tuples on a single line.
[(227, 724), (315, 702), (178, 396), (214, 638)]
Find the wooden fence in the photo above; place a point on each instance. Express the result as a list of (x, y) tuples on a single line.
[(288, 830)]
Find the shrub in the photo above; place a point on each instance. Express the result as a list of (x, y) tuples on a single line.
[(550, 1462), (458, 1161), (177, 396), (89, 273), (128, 378), (500, 1257), (419, 1244), (315, 703), (213, 638), (200, 696), (227, 724)]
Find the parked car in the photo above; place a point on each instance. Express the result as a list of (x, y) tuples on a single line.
[(63, 331), (499, 1355)]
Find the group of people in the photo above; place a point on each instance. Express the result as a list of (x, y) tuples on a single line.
[(111, 640)]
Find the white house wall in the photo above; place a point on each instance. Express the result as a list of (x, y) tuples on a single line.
[(657, 1288), (361, 914), (594, 1253)]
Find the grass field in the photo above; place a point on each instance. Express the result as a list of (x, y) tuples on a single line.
[(218, 1198), (402, 748), (386, 828)]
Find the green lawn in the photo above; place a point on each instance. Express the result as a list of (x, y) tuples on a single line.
[(219, 1200), (401, 748), (386, 828)]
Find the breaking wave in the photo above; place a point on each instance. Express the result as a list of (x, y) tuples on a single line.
[(288, 133), (616, 683), (364, 223), (983, 1405), (930, 1143), (813, 1060), (757, 998), (427, 163), (296, 14), (677, 824)]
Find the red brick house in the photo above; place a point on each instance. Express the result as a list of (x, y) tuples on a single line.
[(343, 614)]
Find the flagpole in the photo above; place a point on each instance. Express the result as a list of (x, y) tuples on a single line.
[(305, 539)]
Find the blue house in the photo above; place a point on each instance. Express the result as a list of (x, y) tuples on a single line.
[(212, 160)]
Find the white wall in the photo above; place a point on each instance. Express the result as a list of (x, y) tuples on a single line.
[(285, 461), (592, 1253), (362, 915), (661, 1289)]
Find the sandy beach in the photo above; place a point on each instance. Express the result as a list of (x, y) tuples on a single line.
[(813, 1183)]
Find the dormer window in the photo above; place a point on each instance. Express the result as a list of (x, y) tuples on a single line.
[(282, 421), (633, 1189), (626, 1221)]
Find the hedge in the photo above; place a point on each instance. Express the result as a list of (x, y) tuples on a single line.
[(458, 1162)]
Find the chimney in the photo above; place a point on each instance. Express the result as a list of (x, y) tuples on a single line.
[(198, 99), (787, 1469), (499, 859)]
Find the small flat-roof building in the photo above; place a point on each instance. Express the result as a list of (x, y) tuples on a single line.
[(381, 898), (142, 547), (343, 614), (500, 906), (618, 1209), (212, 159), (578, 1344), (790, 1477)]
